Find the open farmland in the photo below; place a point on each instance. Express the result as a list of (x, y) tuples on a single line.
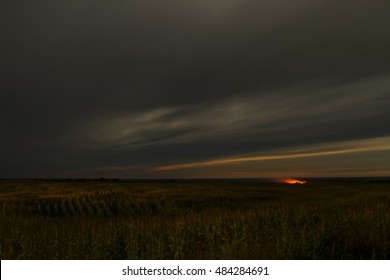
[(194, 220)]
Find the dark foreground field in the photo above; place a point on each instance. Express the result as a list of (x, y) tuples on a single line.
[(194, 220)]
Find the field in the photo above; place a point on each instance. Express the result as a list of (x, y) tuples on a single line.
[(42, 219)]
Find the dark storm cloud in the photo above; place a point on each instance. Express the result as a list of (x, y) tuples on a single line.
[(94, 84)]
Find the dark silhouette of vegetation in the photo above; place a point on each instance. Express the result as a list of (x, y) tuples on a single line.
[(193, 220)]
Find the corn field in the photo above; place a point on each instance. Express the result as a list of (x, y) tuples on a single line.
[(193, 220)]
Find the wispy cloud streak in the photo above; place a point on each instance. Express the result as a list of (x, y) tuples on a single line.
[(358, 146)]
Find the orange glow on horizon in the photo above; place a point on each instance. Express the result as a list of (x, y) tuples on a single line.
[(291, 181)]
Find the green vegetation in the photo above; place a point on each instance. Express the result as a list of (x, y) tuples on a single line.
[(194, 220)]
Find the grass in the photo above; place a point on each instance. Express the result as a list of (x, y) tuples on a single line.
[(194, 220)]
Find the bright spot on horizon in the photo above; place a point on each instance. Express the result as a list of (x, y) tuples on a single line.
[(291, 181)]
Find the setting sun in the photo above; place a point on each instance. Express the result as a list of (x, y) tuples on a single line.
[(291, 181)]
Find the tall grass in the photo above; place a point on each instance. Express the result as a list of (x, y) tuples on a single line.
[(53, 220)]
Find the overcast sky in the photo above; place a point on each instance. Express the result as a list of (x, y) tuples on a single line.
[(194, 88)]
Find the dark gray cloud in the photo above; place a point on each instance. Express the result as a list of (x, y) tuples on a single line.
[(89, 85)]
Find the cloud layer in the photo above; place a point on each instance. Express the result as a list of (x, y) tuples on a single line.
[(89, 87)]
